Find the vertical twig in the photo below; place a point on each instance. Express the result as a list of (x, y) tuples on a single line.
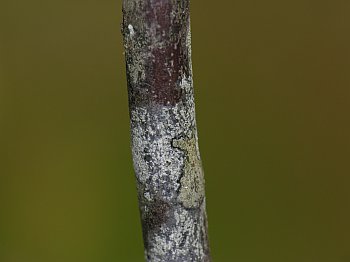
[(167, 163)]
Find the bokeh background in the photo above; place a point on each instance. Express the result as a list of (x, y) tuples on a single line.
[(272, 88)]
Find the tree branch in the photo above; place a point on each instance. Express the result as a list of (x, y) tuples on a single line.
[(167, 163)]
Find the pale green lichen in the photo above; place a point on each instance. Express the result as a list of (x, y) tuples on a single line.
[(192, 182)]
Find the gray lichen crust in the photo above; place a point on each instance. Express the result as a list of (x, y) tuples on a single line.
[(165, 151)]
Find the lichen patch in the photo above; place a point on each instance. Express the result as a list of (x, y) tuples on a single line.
[(192, 182)]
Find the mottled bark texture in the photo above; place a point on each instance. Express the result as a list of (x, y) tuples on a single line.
[(165, 151)]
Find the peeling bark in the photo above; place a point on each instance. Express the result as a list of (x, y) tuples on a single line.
[(166, 158)]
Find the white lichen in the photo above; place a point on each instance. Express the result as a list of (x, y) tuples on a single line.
[(155, 158), (131, 30)]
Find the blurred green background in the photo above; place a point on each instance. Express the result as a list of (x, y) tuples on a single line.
[(273, 101)]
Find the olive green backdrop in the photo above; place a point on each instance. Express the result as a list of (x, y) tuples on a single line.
[(272, 88)]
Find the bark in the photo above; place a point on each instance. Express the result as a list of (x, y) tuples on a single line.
[(166, 158)]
